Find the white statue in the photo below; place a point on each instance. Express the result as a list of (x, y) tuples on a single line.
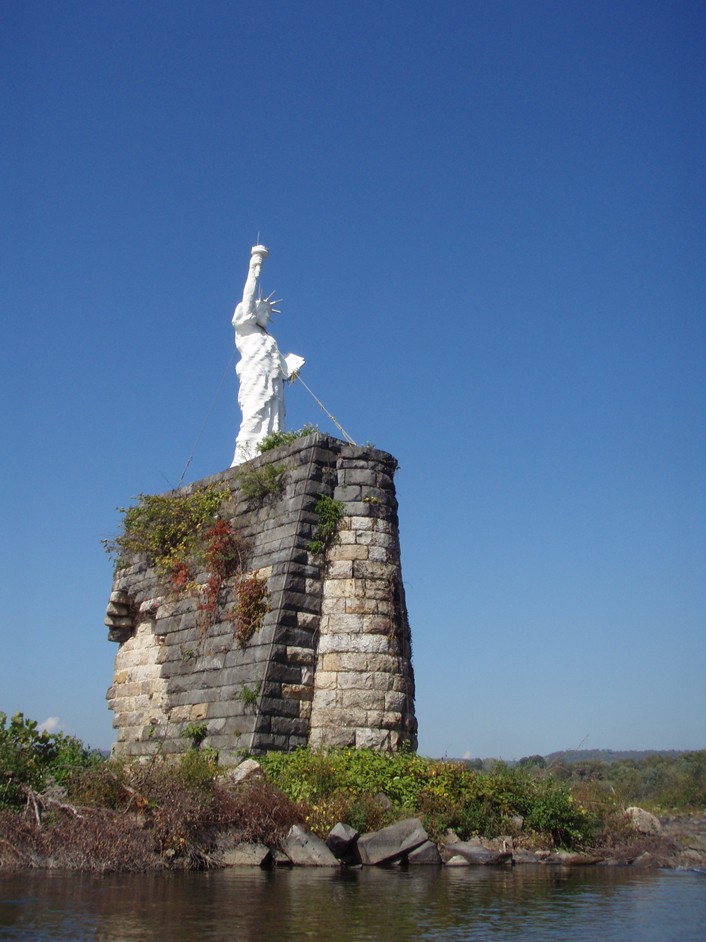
[(261, 369)]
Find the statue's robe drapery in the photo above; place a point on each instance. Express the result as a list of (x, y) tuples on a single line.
[(261, 373)]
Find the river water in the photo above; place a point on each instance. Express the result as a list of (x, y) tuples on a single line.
[(532, 904)]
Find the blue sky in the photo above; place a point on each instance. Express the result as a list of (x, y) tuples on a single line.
[(487, 221)]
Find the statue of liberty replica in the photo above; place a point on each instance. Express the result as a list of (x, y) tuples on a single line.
[(262, 370)]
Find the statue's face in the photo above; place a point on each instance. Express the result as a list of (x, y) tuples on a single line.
[(263, 314)]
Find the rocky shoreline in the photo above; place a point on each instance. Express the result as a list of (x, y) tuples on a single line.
[(250, 822), (675, 842)]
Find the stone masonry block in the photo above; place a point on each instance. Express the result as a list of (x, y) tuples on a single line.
[(331, 662), (297, 655), (344, 588), (378, 554), (337, 717), (307, 620), (371, 569), (363, 522), (342, 623), (326, 680), (289, 727), (344, 552), (361, 699), (348, 493), (189, 713), (331, 738), (278, 706), (381, 683), (384, 663), (367, 477), (389, 719), (378, 589), (358, 606), (377, 625), (403, 683), (366, 644), (284, 673), (335, 606), (377, 538), (395, 701), (340, 569), (372, 739), (312, 586), (326, 698), (297, 691)]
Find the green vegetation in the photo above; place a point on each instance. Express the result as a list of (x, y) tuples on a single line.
[(275, 439), (167, 528), (343, 785), (31, 759), (329, 512), (196, 732), (259, 483), (63, 802), (252, 604), (657, 782), (181, 534), (249, 695)]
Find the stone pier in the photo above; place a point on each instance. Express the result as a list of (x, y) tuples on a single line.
[(331, 663)]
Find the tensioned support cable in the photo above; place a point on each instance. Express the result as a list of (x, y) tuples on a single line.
[(324, 409), (215, 398)]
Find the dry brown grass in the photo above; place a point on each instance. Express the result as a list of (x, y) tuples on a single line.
[(143, 818)]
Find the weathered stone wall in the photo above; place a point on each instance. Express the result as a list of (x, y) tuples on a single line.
[(331, 664)]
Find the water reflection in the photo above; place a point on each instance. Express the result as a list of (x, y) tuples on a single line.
[(422, 903)]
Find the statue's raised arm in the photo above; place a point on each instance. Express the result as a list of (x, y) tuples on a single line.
[(261, 369), (247, 309)]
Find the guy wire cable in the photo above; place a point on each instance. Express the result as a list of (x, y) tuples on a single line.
[(323, 407)]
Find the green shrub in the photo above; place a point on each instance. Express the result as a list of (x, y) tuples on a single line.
[(275, 439), (248, 695), (196, 732), (166, 528), (445, 794), (553, 811), (30, 758), (329, 513), (26, 755), (258, 483), (198, 768)]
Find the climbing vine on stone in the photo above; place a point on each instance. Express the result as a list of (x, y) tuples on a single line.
[(223, 556), (167, 528), (329, 513), (251, 607), (180, 534)]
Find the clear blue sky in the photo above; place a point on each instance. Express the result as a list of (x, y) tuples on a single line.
[(488, 224)]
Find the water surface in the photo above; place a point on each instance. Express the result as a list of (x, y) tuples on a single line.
[(432, 904)]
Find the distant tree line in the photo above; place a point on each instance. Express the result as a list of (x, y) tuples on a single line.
[(659, 780)]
